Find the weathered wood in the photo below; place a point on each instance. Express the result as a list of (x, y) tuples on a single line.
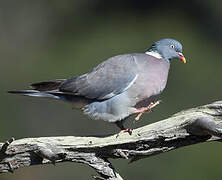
[(201, 124)]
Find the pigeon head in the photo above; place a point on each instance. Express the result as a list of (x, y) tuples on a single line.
[(168, 49)]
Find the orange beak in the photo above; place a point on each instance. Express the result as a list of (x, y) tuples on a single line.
[(182, 58)]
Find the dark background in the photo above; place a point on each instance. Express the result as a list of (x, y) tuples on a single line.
[(43, 40)]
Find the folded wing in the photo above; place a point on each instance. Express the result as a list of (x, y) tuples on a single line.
[(108, 79)]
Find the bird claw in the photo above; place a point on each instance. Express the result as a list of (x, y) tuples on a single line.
[(148, 109), (130, 131)]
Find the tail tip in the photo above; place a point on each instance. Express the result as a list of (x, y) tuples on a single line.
[(12, 92), (21, 91)]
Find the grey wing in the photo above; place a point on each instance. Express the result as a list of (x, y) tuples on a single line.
[(108, 79)]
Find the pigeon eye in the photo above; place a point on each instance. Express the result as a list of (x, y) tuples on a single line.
[(172, 46)]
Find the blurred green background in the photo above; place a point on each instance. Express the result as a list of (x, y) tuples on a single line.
[(43, 40)]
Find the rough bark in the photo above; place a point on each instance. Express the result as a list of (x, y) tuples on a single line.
[(196, 125)]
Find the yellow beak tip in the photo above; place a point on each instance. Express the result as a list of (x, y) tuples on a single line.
[(184, 60)]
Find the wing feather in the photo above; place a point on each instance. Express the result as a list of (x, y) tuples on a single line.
[(108, 79)]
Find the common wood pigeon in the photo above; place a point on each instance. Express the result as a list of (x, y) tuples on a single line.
[(121, 86)]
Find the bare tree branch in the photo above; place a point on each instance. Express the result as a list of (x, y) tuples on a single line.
[(201, 124)]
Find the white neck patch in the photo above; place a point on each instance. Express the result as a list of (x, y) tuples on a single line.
[(154, 54)]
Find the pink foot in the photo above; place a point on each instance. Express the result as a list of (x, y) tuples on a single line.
[(142, 110), (123, 131)]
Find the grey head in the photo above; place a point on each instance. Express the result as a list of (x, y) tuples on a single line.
[(168, 49)]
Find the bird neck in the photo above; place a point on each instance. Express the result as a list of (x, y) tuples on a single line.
[(152, 51), (154, 54)]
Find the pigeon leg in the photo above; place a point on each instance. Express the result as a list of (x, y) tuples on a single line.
[(123, 129), (144, 109)]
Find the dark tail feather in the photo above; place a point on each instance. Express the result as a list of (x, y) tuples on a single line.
[(20, 92), (77, 101), (35, 93), (48, 85)]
